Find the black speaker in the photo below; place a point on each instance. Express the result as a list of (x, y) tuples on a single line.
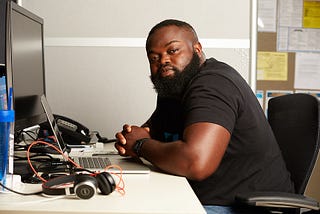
[(84, 185)]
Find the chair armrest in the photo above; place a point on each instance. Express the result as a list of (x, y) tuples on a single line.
[(277, 199)]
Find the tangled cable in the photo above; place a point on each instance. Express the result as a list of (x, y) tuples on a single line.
[(119, 186)]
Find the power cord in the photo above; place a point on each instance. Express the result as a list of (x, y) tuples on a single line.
[(104, 139), (20, 193)]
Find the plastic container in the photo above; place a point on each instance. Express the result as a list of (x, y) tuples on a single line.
[(6, 120)]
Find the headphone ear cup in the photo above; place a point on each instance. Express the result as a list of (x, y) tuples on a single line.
[(85, 186), (106, 183)]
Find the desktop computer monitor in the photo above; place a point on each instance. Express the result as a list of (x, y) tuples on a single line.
[(25, 65)]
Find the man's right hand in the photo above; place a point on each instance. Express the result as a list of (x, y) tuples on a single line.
[(128, 137)]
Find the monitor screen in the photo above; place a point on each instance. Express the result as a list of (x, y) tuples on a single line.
[(25, 65)]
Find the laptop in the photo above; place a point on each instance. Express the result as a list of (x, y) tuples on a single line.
[(89, 159)]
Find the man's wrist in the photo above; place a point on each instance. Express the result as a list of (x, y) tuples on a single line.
[(138, 145)]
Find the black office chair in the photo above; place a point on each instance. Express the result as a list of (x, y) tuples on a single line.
[(295, 121)]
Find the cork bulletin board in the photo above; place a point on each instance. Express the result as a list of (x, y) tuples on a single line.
[(267, 42), (288, 39)]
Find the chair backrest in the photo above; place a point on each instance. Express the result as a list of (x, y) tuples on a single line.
[(295, 121)]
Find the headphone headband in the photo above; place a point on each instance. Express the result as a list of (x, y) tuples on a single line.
[(84, 185), (49, 189)]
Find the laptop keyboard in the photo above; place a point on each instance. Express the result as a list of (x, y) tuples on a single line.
[(94, 162)]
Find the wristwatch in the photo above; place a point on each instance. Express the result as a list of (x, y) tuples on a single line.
[(137, 146)]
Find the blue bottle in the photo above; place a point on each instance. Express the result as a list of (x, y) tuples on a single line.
[(6, 120)]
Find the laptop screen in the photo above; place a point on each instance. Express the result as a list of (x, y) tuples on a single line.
[(53, 123)]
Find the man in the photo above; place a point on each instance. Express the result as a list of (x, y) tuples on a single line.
[(208, 125)]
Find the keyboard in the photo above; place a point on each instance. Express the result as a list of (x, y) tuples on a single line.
[(94, 162)]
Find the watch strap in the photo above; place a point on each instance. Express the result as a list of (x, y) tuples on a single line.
[(138, 145)]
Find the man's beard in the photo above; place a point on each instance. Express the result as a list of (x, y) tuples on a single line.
[(174, 86)]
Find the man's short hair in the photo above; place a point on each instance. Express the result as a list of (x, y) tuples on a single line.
[(170, 22)]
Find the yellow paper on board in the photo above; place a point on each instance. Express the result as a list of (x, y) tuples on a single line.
[(311, 14), (272, 66)]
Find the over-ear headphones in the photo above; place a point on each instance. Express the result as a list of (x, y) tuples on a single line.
[(84, 185)]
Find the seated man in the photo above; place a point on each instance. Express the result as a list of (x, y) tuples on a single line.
[(207, 126)]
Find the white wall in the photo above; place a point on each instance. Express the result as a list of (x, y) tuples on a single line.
[(96, 67)]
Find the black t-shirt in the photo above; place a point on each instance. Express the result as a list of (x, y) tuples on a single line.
[(253, 161)]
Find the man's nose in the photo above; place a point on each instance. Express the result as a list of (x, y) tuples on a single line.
[(165, 59)]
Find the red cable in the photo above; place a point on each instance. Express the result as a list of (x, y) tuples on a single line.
[(119, 186)]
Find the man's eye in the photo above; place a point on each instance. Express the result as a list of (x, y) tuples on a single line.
[(172, 51), (153, 58)]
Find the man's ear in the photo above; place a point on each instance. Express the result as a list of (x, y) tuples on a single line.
[(198, 48)]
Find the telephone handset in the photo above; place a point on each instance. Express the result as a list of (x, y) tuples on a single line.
[(72, 132)]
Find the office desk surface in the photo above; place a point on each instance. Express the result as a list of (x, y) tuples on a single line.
[(150, 193)]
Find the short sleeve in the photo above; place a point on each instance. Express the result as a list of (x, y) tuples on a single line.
[(212, 98)]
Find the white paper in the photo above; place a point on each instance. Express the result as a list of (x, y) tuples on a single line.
[(307, 71), (304, 39), (289, 15), (267, 15)]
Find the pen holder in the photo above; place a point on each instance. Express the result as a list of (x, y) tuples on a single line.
[(6, 120)]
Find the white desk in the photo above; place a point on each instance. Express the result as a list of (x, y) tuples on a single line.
[(151, 193)]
